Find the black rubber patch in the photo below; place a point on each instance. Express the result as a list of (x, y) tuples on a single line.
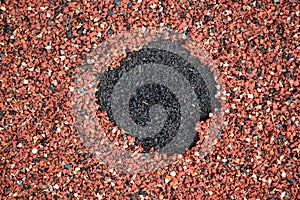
[(155, 94)]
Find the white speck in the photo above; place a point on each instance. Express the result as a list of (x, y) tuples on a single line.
[(139, 1), (25, 82), (54, 82), (283, 174), (56, 187), (167, 180), (23, 64), (48, 15), (43, 8), (34, 150), (282, 195), (99, 196), (226, 123), (40, 35), (250, 96), (49, 72), (153, 6), (173, 173), (71, 88), (31, 69), (58, 130), (77, 169)]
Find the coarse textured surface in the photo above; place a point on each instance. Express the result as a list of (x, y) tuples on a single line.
[(256, 46)]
